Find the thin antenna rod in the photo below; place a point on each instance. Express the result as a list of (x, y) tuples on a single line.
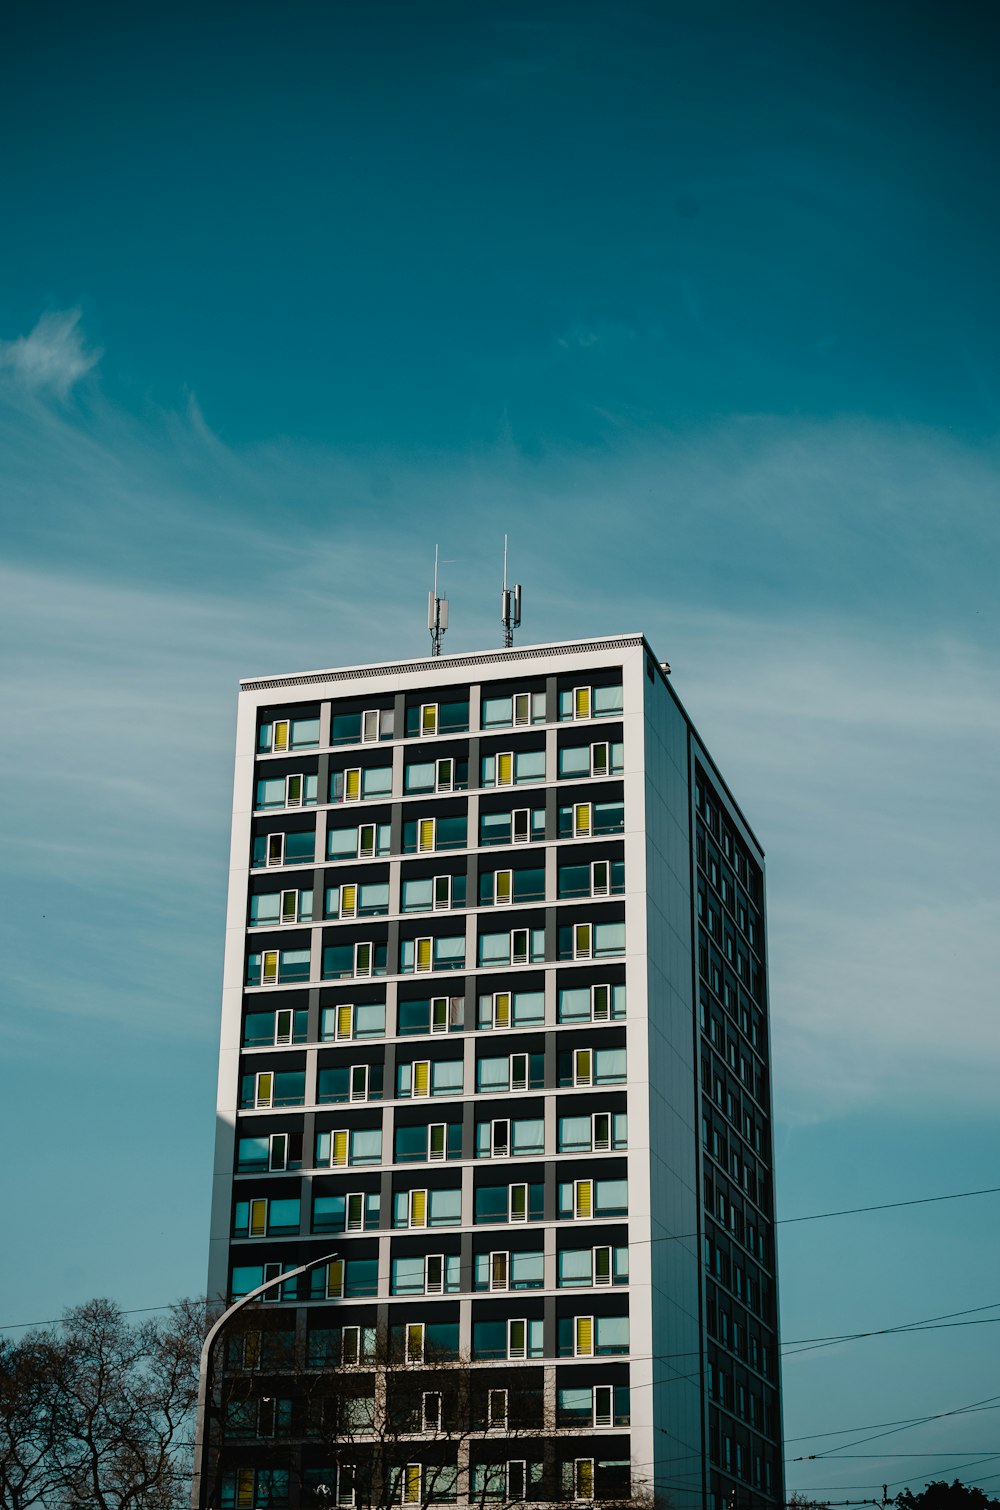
[(510, 604), (437, 612)]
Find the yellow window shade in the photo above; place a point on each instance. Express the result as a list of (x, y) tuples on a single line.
[(258, 1218), (504, 885), (421, 1077), (505, 769), (581, 702), (265, 1089), (584, 1336), (415, 1342), (345, 1021), (411, 1484), (583, 1066), (424, 954), (335, 1279), (501, 1009), (269, 973), (582, 821), (348, 900), (281, 734), (418, 1208), (585, 1478), (429, 718), (522, 707), (425, 835), (517, 1342), (582, 941), (519, 1203), (244, 1488), (352, 786), (340, 1142), (584, 1203)]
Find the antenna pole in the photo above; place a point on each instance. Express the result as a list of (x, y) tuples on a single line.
[(437, 612), (510, 604)]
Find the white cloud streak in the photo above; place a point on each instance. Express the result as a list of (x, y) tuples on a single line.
[(153, 566), (52, 358)]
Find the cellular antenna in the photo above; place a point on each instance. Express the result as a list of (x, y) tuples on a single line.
[(510, 604), (437, 612)]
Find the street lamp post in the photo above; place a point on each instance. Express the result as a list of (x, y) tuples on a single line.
[(206, 1383)]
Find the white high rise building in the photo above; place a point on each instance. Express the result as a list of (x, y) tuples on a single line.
[(495, 1031)]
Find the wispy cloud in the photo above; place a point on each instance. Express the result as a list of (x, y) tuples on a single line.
[(829, 631), (51, 358)]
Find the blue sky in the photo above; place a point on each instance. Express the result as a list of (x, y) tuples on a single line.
[(699, 303)]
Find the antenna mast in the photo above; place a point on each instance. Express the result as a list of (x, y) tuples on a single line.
[(437, 612), (510, 604)]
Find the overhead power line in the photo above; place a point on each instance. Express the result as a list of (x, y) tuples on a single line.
[(669, 1237), (960, 1410), (829, 1452)]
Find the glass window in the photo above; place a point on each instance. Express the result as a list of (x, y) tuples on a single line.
[(574, 761), (527, 1009), (420, 776), (344, 843), (610, 1198), (529, 765), (575, 1004), (575, 1266), (609, 1066), (499, 712), (418, 894), (608, 700), (369, 1021), (366, 1146), (271, 792), (493, 1074), (527, 1136), (574, 1134), (612, 1334), (299, 847)]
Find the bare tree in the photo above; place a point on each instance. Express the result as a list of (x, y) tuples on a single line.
[(100, 1414), (25, 1424), (375, 1423)]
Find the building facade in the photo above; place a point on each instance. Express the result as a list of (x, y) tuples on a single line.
[(495, 1037)]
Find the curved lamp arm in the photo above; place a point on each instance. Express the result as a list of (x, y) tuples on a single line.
[(198, 1479)]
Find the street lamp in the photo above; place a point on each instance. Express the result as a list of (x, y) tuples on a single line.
[(206, 1384)]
